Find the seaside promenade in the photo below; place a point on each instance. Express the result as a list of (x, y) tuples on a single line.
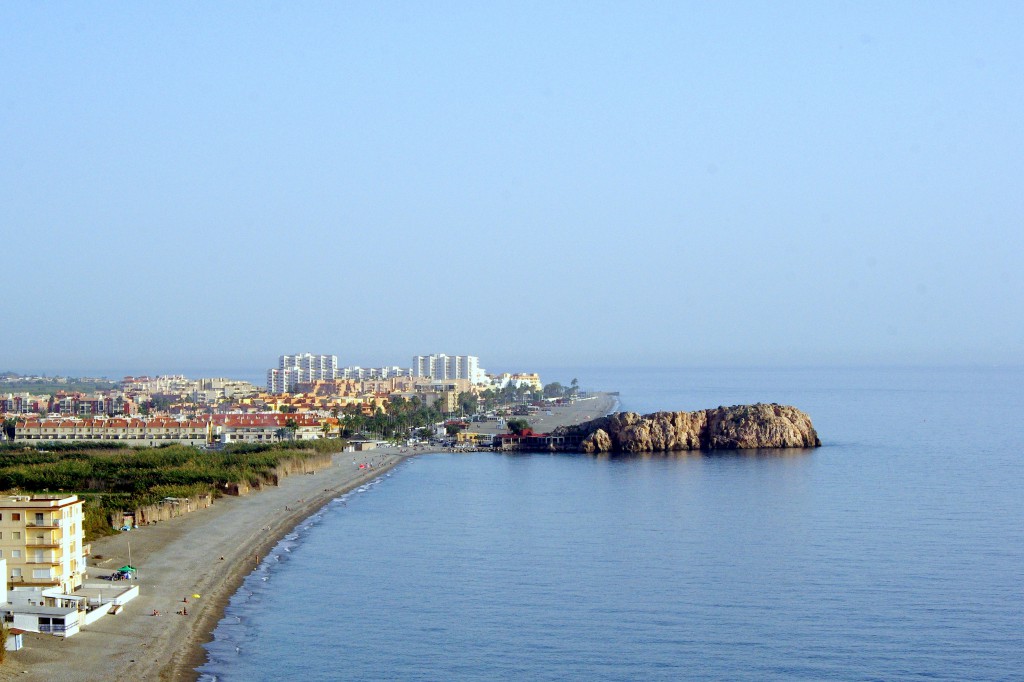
[(208, 552)]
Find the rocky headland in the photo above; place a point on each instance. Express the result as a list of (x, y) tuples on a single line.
[(721, 428)]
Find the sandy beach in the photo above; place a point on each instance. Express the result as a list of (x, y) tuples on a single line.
[(208, 552)]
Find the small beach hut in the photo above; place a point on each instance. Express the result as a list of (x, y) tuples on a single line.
[(14, 639)]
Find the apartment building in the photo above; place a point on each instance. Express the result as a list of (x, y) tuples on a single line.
[(84, 405), (42, 540), (364, 373), (266, 428), (130, 431), (442, 366), (304, 367), (17, 403)]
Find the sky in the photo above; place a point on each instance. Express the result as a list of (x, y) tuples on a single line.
[(211, 185)]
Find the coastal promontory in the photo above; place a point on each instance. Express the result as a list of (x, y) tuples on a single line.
[(722, 428)]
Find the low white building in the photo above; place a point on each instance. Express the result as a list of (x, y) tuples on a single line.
[(53, 612)]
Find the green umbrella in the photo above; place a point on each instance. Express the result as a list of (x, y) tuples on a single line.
[(127, 568)]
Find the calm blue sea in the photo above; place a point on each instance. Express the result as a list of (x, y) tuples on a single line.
[(894, 552)]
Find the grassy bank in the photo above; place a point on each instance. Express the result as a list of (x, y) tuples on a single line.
[(112, 479)]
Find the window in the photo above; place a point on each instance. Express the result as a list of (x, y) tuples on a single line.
[(15, 517), (15, 572), (15, 554), (41, 573), (17, 535)]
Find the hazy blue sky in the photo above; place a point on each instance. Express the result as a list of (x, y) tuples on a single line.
[(213, 184)]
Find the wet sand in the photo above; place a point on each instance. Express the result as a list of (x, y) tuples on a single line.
[(208, 552)]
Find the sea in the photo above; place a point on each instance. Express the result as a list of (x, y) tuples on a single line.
[(893, 552)]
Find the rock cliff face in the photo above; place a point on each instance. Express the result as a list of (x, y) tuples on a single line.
[(723, 428)]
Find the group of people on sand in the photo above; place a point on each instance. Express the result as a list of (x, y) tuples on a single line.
[(183, 611), (372, 463)]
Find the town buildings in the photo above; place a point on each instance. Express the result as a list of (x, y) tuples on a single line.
[(531, 380), (268, 428), (18, 403), (131, 431)]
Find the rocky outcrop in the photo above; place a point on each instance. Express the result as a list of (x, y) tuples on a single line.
[(598, 441), (722, 428)]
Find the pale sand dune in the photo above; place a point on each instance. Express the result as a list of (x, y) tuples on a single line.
[(182, 557)]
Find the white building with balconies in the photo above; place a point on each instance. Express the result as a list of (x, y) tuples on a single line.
[(442, 366), (42, 541), (301, 368)]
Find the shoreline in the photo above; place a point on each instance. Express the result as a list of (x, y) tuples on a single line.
[(182, 667), (209, 552)]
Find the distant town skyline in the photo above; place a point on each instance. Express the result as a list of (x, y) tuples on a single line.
[(642, 184)]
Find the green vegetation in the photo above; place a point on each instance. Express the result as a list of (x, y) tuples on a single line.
[(557, 390), (517, 426), (492, 399), (468, 402), (112, 479), (404, 416)]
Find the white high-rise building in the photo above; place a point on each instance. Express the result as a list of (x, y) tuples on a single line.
[(294, 369), (363, 373), (315, 366), (442, 366)]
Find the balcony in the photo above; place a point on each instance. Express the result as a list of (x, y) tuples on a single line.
[(39, 582), (43, 562), (45, 544), (45, 523)]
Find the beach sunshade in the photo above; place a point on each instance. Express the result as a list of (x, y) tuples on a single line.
[(127, 568)]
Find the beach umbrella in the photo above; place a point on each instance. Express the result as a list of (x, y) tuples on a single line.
[(127, 568)]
